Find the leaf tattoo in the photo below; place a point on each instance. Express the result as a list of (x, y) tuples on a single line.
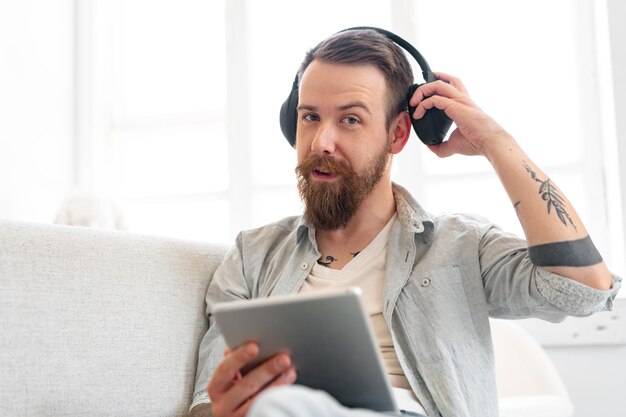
[(550, 194)]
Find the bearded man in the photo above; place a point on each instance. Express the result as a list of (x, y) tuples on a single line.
[(430, 283)]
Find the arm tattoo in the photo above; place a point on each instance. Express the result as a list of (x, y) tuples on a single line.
[(580, 252), (355, 254), (329, 260), (550, 194)]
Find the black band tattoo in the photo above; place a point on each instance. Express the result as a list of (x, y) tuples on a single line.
[(355, 254), (329, 260), (550, 194), (581, 252)]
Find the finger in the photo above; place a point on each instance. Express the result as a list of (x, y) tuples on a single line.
[(452, 80), (435, 88), (243, 410), (255, 380), (439, 87), (218, 410), (440, 102), (229, 368), (287, 377)]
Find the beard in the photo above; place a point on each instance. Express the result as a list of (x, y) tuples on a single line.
[(331, 205)]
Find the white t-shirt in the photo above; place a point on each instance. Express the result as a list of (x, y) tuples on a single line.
[(367, 271)]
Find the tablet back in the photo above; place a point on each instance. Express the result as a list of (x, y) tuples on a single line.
[(328, 335)]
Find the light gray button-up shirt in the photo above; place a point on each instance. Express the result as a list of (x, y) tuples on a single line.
[(446, 275)]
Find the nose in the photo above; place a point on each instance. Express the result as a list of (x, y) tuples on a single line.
[(325, 139)]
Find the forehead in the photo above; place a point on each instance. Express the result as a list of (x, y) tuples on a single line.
[(325, 83)]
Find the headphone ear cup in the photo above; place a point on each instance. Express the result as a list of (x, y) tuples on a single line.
[(289, 115), (432, 128)]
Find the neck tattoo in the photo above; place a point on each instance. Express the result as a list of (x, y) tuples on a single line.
[(326, 261)]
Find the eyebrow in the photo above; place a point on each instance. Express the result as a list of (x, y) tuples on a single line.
[(344, 107)]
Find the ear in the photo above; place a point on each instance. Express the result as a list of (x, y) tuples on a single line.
[(400, 130)]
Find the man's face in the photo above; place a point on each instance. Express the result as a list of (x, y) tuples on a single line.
[(342, 142)]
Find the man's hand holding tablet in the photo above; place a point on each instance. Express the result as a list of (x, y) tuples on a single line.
[(232, 393), (322, 340)]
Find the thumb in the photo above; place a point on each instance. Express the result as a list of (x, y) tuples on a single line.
[(456, 144), (442, 150)]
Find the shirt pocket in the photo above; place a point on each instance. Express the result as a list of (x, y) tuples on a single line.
[(436, 315)]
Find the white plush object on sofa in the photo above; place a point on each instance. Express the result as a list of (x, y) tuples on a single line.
[(528, 383), (97, 323)]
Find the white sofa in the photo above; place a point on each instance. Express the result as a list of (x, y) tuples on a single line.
[(101, 323)]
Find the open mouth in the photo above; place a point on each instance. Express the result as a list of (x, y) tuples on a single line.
[(323, 173)]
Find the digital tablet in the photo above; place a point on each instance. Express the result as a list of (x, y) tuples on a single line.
[(327, 334)]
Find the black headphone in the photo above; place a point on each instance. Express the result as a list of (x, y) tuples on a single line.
[(431, 128)]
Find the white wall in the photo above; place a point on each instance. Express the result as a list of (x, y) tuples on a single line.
[(36, 107)]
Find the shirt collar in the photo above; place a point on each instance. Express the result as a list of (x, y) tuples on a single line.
[(411, 214)]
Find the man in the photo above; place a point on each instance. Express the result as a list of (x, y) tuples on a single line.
[(430, 283)]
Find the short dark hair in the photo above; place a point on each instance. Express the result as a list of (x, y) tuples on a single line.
[(366, 46)]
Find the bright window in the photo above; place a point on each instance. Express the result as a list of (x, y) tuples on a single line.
[(160, 114), (536, 74), (187, 94)]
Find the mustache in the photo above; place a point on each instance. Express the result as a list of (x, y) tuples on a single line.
[(327, 163)]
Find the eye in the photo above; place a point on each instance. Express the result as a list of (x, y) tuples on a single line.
[(310, 117), (350, 120)]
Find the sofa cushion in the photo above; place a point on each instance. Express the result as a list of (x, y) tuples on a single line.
[(99, 322)]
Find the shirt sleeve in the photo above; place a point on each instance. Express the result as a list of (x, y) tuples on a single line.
[(515, 288), (228, 284), (200, 397)]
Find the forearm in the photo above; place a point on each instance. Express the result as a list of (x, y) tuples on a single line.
[(552, 227), (546, 215)]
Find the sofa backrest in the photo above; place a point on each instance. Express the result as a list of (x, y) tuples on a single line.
[(99, 322)]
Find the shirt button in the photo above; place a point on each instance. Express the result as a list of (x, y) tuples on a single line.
[(425, 282), (304, 266)]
